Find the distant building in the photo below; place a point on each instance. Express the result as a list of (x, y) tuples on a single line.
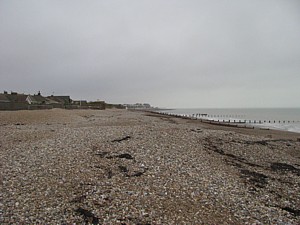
[(138, 106), (80, 102), (40, 102), (16, 98), (65, 100), (4, 99), (96, 105), (36, 100), (13, 101)]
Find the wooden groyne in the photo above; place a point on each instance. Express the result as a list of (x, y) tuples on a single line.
[(239, 120), (215, 120)]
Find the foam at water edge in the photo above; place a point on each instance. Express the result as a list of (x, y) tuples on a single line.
[(279, 126)]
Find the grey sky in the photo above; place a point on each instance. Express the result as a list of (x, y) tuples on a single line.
[(170, 53)]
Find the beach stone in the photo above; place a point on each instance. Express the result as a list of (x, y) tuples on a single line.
[(170, 170)]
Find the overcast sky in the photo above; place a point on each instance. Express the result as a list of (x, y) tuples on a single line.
[(169, 53)]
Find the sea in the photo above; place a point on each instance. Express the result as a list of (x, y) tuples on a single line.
[(287, 119)]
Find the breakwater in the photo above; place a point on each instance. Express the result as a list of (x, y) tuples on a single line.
[(281, 119)]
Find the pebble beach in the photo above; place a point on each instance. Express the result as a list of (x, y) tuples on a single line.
[(132, 167)]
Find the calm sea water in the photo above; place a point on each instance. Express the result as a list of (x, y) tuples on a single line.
[(273, 118)]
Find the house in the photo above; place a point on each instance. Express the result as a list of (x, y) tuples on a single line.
[(16, 98), (13, 101), (36, 100), (80, 102), (16, 101), (138, 106), (4, 99), (97, 105), (41, 100), (65, 100), (55, 104)]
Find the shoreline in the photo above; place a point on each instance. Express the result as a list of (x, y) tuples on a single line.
[(236, 127), (286, 119), (133, 167)]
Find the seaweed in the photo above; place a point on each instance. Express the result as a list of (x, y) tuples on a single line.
[(122, 139), (285, 168), (295, 212), (88, 216), (258, 179)]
